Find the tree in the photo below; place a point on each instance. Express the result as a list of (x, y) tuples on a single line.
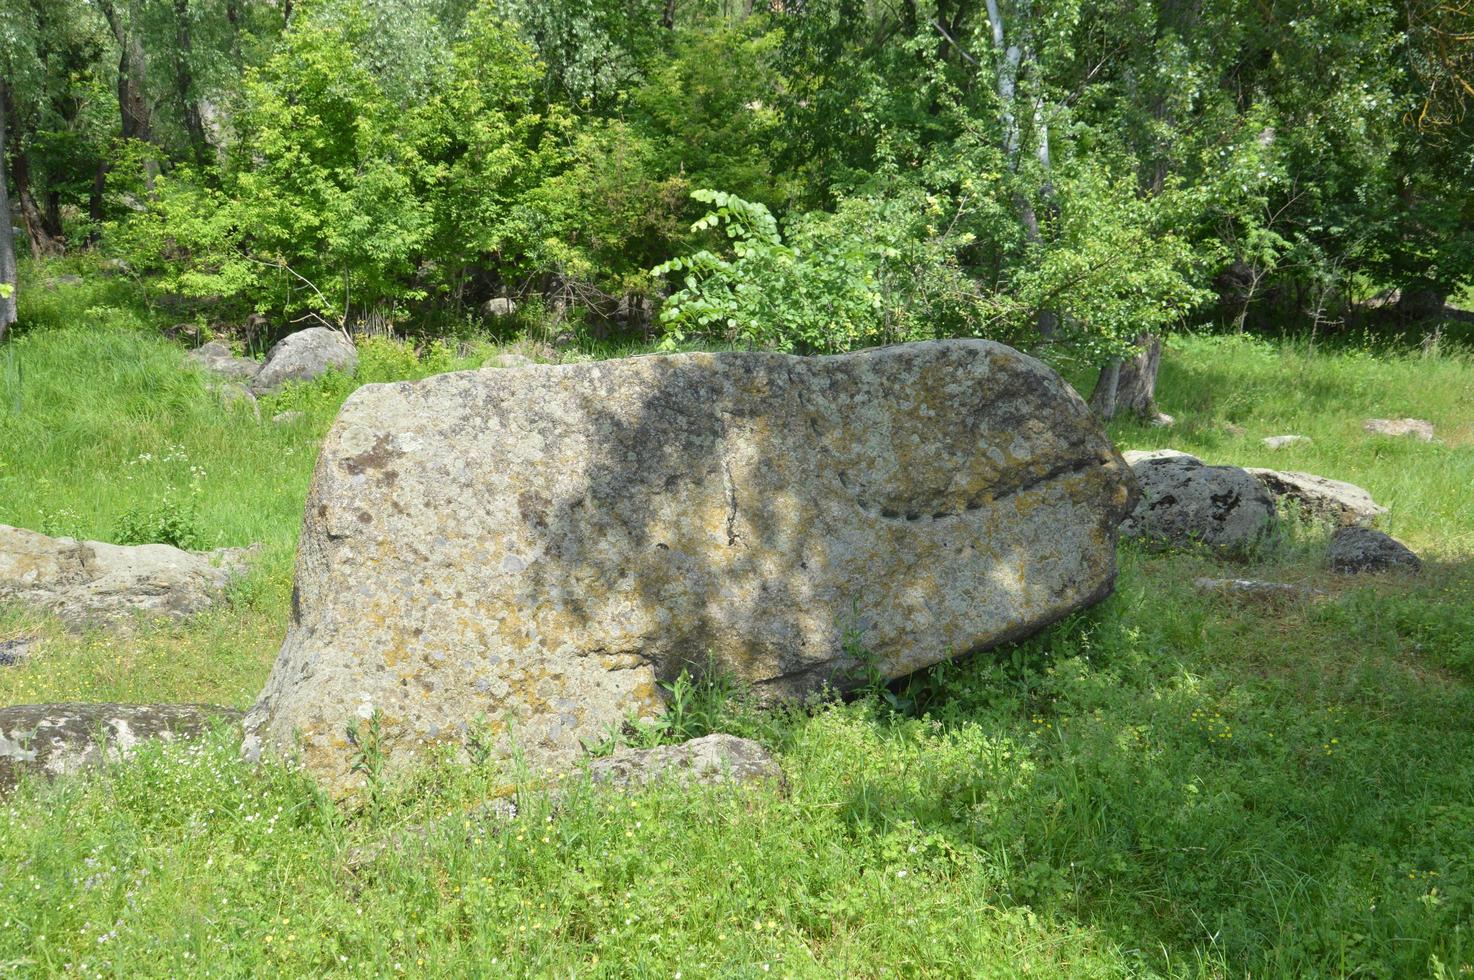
[(7, 240)]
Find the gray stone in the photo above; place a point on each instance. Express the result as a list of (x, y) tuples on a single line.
[(526, 553), (1355, 550), (303, 356), (216, 357), (1321, 498), (288, 418), (499, 306), (1185, 503), (90, 581), (15, 650), (63, 739), (1256, 589), (1419, 429), (234, 396), (1280, 442), (712, 760)]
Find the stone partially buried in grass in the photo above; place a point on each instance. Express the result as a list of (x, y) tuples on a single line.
[(91, 581), (1419, 429), (520, 556), (216, 357), (63, 739), (1283, 442), (1321, 498), (1186, 503), (1355, 550), (303, 356)]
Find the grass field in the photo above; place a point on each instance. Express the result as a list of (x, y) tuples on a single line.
[(1169, 784)]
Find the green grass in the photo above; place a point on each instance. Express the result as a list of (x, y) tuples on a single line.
[(1168, 784)]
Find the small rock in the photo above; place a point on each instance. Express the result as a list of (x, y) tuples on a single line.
[(1321, 498), (1253, 587), (238, 395), (15, 650), (500, 306), (1280, 442), (1185, 503), (216, 357), (1360, 549), (1419, 429), (303, 356), (287, 418), (711, 760), (62, 739), (189, 332), (89, 581)]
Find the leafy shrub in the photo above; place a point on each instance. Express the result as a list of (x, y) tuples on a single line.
[(172, 521), (873, 272)]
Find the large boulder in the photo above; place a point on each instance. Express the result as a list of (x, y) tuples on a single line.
[(520, 556), (303, 356), (1186, 503), (216, 358), (62, 739), (1321, 498), (90, 581)]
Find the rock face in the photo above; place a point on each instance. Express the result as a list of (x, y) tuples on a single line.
[(216, 358), (1359, 549), (1321, 498), (711, 760), (62, 739), (1419, 429), (1185, 502), (87, 581), (522, 555), (305, 355)]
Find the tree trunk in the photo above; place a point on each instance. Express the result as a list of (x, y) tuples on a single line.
[(7, 234), (1010, 59), (1129, 386), (42, 243), (95, 197), (133, 104), (184, 85)]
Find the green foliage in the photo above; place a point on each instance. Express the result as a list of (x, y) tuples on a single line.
[(170, 521), (871, 273), (344, 201)]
